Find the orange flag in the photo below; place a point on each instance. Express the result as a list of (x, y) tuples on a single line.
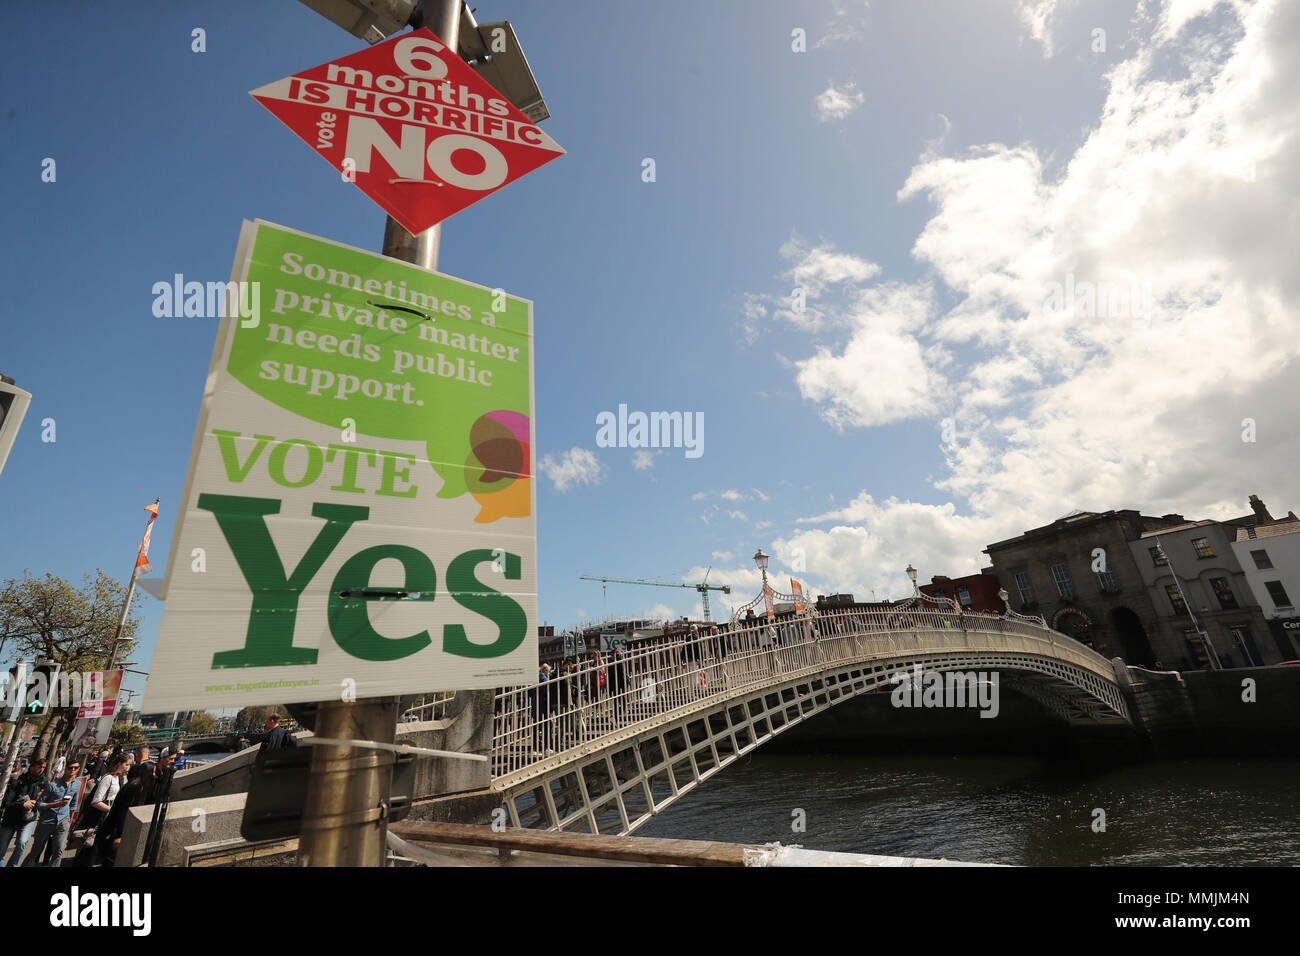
[(142, 565)]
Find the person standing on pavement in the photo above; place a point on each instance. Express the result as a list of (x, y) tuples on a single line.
[(109, 835), (18, 818), (110, 784), (54, 809), (277, 737), (141, 757)]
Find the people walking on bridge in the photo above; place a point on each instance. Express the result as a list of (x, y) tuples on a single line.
[(766, 642), (54, 810), (18, 818), (540, 708), (596, 679), (617, 680)]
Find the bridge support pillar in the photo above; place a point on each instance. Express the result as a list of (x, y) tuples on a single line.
[(460, 788)]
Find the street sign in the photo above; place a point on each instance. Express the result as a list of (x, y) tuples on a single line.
[(358, 514), (413, 125), (99, 696)]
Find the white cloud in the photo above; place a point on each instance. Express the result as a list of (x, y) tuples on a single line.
[(577, 466), (821, 279), (1186, 186), (723, 555), (643, 460), (1037, 15), (660, 610), (837, 102), (846, 26), (738, 515), (883, 373)]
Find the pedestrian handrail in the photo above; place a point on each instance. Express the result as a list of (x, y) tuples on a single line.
[(434, 709), (606, 695)]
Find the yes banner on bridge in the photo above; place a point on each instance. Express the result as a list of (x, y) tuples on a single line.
[(358, 514)]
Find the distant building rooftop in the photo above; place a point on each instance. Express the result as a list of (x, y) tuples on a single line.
[(1180, 527), (1267, 531)]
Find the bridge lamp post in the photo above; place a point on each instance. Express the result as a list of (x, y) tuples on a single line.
[(761, 560), (1005, 598), (911, 573)]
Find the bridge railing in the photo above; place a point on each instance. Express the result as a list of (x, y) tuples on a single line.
[(606, 693)]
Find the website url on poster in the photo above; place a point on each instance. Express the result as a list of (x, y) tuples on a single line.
[(261, 685)]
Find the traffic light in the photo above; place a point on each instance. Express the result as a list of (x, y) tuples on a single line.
[(34, 696), (13, 406)]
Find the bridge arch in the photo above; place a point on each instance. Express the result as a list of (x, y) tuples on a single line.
[(730, 694)]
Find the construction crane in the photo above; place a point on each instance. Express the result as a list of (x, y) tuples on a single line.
[(703, 587)]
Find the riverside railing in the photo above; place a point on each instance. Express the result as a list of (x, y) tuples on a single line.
[(608, 693)]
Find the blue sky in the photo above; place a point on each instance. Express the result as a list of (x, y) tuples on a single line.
[(924, 172)]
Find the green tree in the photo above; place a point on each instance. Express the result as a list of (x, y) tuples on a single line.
[(126, 734), (202, 723), (50, 618)]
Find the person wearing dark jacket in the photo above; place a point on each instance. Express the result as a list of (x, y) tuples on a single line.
[(18, 816), (278, 736), (109, 835)]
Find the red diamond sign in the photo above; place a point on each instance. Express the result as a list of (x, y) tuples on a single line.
[(413, 125)]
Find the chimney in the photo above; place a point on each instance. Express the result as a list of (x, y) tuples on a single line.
[(1261, 513)]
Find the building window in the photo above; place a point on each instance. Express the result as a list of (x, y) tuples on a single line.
[(1062, 578), (1261, 560), (1241, 639), (1277, 593), (1176, 598), (1107, 580), (1158, 559), (1223, 591), (1202, 547), (963, 595), (1024, 587)]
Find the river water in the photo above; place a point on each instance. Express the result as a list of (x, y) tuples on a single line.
[(993, 809)]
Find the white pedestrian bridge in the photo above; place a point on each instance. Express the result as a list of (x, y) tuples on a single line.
[(603, 748)]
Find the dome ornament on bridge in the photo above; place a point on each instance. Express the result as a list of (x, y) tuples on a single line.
[(761, 559), (1015, 616)]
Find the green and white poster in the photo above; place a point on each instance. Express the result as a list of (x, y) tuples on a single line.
[(359, 511)]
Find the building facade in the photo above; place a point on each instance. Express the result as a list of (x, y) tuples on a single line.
[(1201, 595), (1080, 575), (1269, 556), (974, 592)]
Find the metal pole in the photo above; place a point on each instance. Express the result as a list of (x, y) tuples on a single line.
[(130, 593), (15, 731), (443, 18), (1212, 653), (345, 818)]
